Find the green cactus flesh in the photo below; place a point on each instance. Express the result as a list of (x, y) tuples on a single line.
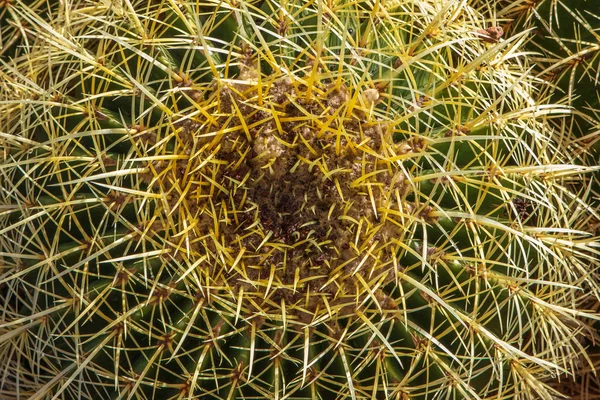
[(284, 200)]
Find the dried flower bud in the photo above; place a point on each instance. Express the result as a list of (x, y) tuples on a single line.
[(491, 34)]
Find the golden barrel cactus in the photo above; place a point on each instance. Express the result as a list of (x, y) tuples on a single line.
[(284, 199)]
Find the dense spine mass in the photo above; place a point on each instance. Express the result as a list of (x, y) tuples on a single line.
[(286, 199)]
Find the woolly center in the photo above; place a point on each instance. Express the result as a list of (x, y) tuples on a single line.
[(290, 193)]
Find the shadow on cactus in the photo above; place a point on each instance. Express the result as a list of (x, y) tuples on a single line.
[(284, 200)]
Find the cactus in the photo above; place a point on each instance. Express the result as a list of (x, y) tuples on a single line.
[(566, 54), (285, 199), (565, 48)]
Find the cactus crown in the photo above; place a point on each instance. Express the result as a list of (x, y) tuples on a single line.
[(283, 199)]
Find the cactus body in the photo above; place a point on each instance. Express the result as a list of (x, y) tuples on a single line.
[(265, 199), (565, 48)]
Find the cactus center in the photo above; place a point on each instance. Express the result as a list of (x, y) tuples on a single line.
[(290, 192)]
